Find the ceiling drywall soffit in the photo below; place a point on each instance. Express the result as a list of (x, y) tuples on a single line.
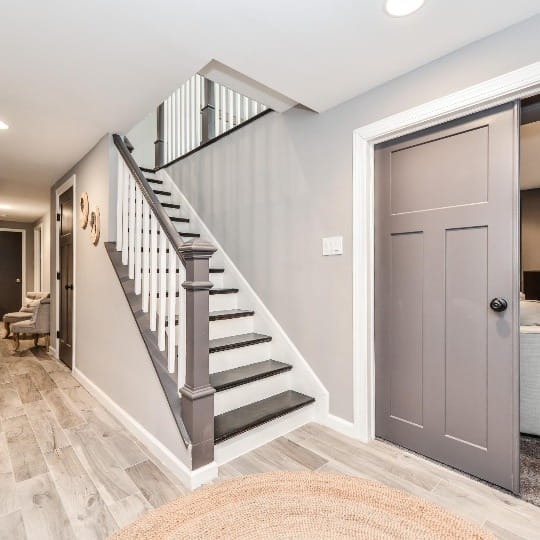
[(72, 71)]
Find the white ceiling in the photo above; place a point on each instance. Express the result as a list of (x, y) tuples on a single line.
[(71, 71)]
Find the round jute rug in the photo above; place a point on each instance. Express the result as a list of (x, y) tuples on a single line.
[(305, 505)]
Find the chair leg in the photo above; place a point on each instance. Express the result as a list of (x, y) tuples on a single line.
[(36, 340), (47, 341), (17, 342), (6, 326)]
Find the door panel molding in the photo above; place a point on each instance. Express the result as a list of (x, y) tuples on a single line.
[(71, 182), (515, 85), (23, 259)]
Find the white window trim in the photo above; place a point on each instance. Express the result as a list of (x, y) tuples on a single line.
[(518, 84)]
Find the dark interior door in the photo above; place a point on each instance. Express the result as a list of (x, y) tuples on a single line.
[(10, 271), (66, 277), (447, 361)]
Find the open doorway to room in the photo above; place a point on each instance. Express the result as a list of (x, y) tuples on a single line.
[(530, 300)]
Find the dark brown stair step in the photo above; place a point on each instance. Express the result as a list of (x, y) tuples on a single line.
[(179, 219), (146, 169), (154, 181), (161, 192), (216, 270), (223, 291), (240, 420), (231, 378), (235, 342), (189, 234), (225, 314), (170, 205)]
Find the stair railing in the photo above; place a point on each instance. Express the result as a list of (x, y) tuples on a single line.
[(196, 113), (173, 278)]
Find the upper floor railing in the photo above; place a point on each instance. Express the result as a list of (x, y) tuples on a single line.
[(198, 112)]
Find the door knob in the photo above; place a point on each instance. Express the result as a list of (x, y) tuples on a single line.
[(498, 304), (17, 280)]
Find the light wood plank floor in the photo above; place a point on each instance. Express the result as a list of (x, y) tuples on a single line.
[(69, 470)]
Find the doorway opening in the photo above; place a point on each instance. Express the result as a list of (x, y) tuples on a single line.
[(529, 185), (12, 269)]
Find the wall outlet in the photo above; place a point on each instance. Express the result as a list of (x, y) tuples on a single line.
[(332, 245)]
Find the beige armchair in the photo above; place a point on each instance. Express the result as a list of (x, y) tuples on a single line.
[(26, 311), (38, 325)]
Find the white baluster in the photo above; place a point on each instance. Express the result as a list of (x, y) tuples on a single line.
[(183, 119), (230, 107), (181, 326), (138, 239), (217, 106), (194, 113), (171, 336), (245, 108), (153, 271), (198, 101), (131, 236), (174, 123), (125, 215), (223, 92), (237, 107), (166, 121), (119, 200), (146, 255), (162, 309)]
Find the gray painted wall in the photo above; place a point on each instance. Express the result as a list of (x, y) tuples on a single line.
[(108, 348), (272, 190), (29, 228)]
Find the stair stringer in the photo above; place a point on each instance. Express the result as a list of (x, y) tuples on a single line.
[(302, 377)]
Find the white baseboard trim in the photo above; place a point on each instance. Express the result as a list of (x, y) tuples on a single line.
[(54, 353), (341, 426), (189, 478)]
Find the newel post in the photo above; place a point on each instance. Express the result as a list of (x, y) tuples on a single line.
[(159, 144), (197, 396), (208, 112)]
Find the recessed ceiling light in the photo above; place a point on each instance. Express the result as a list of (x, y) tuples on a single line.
[(5, 207), (3, 125), (401, 8)]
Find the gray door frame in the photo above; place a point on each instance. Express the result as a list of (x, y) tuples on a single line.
[(516, 85)]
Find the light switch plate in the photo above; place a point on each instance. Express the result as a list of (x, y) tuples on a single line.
[(332, 245)]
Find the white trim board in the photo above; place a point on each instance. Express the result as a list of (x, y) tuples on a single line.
[(191, 479), (23, 259), (70, 182), (38, 258), (518, 84)]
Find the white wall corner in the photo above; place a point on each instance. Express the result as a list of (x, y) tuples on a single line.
[(350, 429), (190, 479)]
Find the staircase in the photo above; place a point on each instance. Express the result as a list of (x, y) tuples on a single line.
[(253, 388)]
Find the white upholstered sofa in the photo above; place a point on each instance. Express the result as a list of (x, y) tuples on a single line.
[(530, 367)]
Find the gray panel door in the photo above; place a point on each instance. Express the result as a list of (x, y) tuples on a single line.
[(445, 245)]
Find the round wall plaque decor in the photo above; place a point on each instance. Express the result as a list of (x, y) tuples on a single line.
[(83, 218), (94, 226)]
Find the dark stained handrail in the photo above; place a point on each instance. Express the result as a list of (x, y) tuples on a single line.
[(148, 193)]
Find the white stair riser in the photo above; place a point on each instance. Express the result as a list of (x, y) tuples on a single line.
[(254, 438), (233, 358), (249, 393), (217, 280), (231, 327), (219, 302)]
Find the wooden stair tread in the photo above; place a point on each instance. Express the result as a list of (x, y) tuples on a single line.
[(225, 314), (216, 270), (162, 192), (171, 205), (154, 181), (235, 342), (231, 378), (189, 234), (240, 420), (179, 219), (227, 290)]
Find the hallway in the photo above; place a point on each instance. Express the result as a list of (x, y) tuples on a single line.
[(69, 470)]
